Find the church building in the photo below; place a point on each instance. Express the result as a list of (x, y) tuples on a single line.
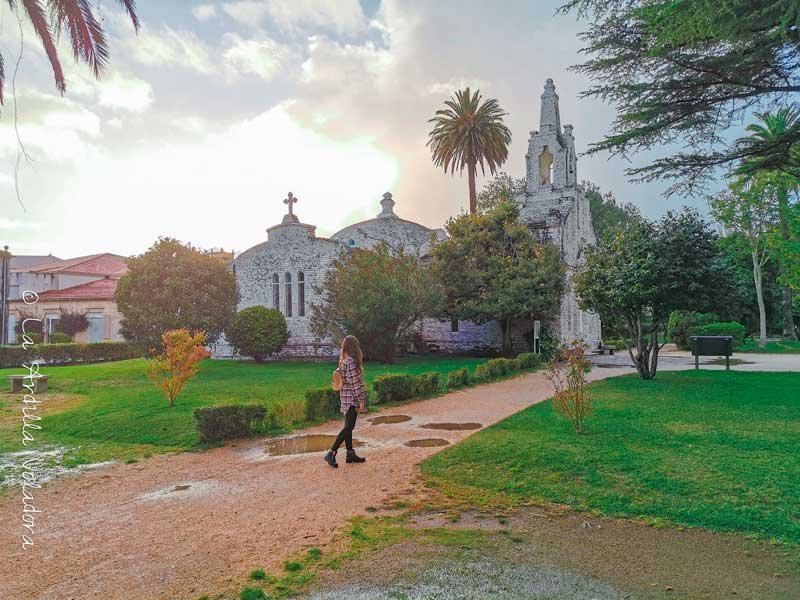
[(284, 271)]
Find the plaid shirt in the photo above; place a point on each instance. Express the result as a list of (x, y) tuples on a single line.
[(353, 391)]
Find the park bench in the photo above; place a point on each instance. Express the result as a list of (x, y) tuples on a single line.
[(601, 348), (19, 381), (712, 345)]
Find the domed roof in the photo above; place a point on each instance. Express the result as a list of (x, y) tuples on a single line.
[(387, 227)]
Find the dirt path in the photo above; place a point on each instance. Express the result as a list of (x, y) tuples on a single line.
[(136, 531)]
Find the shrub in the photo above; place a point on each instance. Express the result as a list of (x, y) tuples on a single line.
[(394, 388), (58, 354), (732, 328), (680, 321), (179, 362), (71, 323), (427, 384), (567, 373), (288, 413), (321, 403), (482, 372), (617, 344), (499, 367), (528, 360), (58, 338), (457, 379), (217, 423), (258, 331)]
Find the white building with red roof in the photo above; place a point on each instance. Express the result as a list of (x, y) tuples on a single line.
[(83, 285)]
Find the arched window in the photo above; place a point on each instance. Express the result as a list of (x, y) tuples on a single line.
[(301, 294), (288, 281), (276, 292)]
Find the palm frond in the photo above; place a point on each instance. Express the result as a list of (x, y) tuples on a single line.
[(85, 32), (36, 14), (130, 8)]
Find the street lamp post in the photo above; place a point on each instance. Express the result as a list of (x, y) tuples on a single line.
[(5, 292)]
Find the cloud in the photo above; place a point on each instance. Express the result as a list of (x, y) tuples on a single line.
[(263, 57), (166, 46), (125, 93), (342, 16), (248, 12), (204, 12)]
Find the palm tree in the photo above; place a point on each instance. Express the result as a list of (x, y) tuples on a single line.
[(468, 133), (86, 34), (769, 132)]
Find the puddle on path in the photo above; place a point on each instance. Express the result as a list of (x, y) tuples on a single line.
[(302, 444), (452, 426), (427, 443), (388, 419), (183, 491)]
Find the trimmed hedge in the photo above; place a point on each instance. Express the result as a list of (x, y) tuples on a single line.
[(457, 379), (681, 321), (217, 423), (529, 360), (60, 354), (394, 388), (732, 328), (59, 338), (321, 403), (617, 344), (427, 384)]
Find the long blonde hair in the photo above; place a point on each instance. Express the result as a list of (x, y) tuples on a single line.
[(351, 347)]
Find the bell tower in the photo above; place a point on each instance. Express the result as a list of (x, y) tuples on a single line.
[(551, 163)]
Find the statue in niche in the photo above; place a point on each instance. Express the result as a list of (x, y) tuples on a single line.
[(545, 166)]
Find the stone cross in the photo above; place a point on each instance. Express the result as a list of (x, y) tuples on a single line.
[(289, 201)]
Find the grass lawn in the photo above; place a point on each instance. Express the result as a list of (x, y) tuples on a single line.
[(111, 410), (771, 347), (712, 449)]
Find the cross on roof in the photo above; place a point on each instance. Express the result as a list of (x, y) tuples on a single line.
[(290, 201)]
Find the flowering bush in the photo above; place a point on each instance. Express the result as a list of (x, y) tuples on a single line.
[(567, 372), (183, 352)]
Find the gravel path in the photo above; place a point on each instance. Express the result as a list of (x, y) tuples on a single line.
[(184, 525)]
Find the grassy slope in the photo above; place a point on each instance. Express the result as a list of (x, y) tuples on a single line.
[(719, 450), (123, 414), (774, 347)]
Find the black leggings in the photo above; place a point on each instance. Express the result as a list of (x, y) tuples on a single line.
[(346, 434)]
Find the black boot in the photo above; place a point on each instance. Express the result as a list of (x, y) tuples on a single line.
[(352, 457), (330, 458)]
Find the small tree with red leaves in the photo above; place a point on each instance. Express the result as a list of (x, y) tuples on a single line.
[(567, 372), (179, 361)]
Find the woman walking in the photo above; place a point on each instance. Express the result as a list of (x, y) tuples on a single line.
[(352, 398)]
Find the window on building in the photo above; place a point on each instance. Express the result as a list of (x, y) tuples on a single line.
[(288, 281), (276, 292), (301, 294), (454, 325), (51, 324)]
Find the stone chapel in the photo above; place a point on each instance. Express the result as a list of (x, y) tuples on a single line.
[(283, 271)]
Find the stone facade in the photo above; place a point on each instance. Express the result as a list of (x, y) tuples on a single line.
[(557, 210), (284, 271)]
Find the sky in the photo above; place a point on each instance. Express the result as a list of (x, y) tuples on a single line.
[(206, 119)]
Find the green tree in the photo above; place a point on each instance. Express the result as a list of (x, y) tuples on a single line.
[(684, 71), (503, 188), (492, 268), (78, 19), (376, 296), (786, 250), (643, 272), (607, 212), (468, 133), (175, 286), (258, 331), (772, 127), (750, 209)]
